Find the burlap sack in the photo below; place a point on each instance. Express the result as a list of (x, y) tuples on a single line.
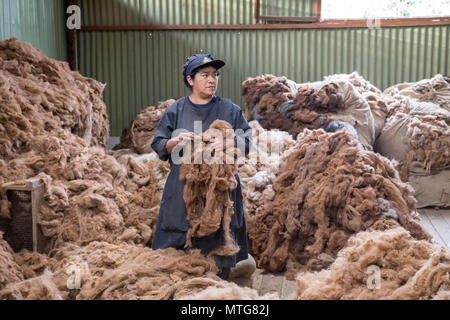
[(357, 111), (436, 90), (393, 141), (432, 188)]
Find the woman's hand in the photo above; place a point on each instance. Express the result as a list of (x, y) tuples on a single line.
[(182, 138), (224, 144)]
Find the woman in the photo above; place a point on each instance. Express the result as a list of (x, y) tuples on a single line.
[(201, 77)]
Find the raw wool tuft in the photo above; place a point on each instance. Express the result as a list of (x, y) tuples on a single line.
[(409, 270), (139, 135), (40, 288), (208, 185), (327, 189), (10, 271), (33, 264), (132, 272), (442, 295), (264, 94), (39, 94)]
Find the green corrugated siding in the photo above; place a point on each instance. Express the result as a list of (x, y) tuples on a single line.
[(40, 22), (142, 68), (175, 12)]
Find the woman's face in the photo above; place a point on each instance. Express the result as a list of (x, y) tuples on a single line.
[(205, 82)]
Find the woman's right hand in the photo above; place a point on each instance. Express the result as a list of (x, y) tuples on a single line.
[(182, 138)]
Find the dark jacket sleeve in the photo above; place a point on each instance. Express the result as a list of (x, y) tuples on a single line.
[(163, 133), (246, 135)]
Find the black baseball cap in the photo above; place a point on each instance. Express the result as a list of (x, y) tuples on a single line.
[(198, 61)]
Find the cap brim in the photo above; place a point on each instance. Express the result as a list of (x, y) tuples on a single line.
[(215, 63)]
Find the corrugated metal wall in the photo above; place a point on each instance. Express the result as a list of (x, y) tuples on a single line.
[(176, 12), (40, 22), (142, 68)]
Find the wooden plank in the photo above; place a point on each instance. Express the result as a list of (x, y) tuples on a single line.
[(426, 223), (445, 213), (440, 224), (288, 289), (270, 284), (325, 24)]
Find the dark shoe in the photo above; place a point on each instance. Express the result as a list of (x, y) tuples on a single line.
[(224, 273)]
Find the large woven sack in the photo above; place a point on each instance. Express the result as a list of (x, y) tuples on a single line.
[(436, 90), (432, 189), (357, 111)]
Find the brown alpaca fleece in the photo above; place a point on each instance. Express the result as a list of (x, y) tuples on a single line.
[(265, 95), (88, 194), (327, 188), (122, 271), (141, 131), (207, 189), (10, 271), (409, 269), (38, 94)]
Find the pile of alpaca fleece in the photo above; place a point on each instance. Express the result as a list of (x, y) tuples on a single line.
[(327, 189), (260, 167), (208, 185), (409, 269), (278, 104), (139, 135), (309, 108), (103, 271), (264, 95), (88, 194), (38, 95)]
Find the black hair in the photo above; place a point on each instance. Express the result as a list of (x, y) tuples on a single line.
[(193, 74)]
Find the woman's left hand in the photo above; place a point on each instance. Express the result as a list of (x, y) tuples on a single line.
[(221, 144)]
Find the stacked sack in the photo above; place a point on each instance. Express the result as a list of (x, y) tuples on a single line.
[(417, 134)]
